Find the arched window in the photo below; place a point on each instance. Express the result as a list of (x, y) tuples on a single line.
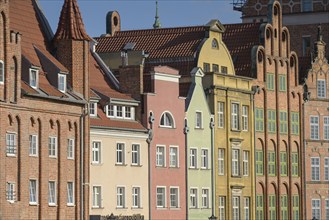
[(214, 44), (2, 72), (167, 120)]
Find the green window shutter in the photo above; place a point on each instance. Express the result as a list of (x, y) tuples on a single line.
[(295, 123), (271, 163), (283, 123), (259, 207), (259, 163), (259, 114), (271, 115), (272, 207), (270, 81), (294, 160), (282, 83), (283, 163), (295, 207), (284, 207)]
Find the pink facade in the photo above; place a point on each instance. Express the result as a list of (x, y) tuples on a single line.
[(167, 147)]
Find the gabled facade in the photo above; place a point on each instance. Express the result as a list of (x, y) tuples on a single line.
[(316, 134), (163, 114), (199, 150)]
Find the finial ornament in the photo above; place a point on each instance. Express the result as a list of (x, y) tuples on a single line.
[(157, 23), (319, 33)]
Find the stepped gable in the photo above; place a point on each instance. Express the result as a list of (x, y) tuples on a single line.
[(27, 18), (70, 25), (240, 39)]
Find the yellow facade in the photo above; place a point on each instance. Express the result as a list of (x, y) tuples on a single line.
[(231, 101)]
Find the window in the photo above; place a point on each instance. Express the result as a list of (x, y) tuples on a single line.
[(282, 83), (33, 191), (259, 163), (327, 209), (96, 152), (215, 68), (246, 208), (259, 114), (223, 69), (283, 123), (193, 198), (321, 88), (135, 154), (173, 157), (119, 111), (294, 160), (93, 109), (236, 208), (167, 120), (245, 111), (110, 111), (235, 162), (271, 116), (314, 120), (272, 207), (2, 72), (198, 120), (161, 197), (221, 115), (326, 128), (283, 163), (235, 116), (326, 168), (315, 168), (120, 197), (271, 163), (221, 207), (295, 207), (174, 197), (295, 123), (70, 193), (270, 81), (52, 193), (204, 158), (136, 197), (33, 149), (70, 148), (284, 207), (62, 82), (128, 112), (221, 164), (120, 159), (52, 146), (193, 158), (246, 163), (206, 67), (34, 78), (316, 208), (11, 144), (160, 156), (205, 198), (259, 207), (97, 197), (306, 45), (10, 194), (307, 5), (214, 44)]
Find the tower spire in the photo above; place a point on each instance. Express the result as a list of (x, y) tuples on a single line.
[(157, 23)]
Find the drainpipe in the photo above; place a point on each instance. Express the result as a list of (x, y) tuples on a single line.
[(186, 130), (149, 141), (212, 217), (82, 123)]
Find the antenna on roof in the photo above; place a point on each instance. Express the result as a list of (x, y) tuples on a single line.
[(157, 21)]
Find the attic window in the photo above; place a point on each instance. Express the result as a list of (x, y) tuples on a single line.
[(34, 78), (62, 82), (2, 72), (93, 109), (214, 44), (120, 111)]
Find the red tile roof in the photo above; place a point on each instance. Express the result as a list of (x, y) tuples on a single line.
[(70, 25)]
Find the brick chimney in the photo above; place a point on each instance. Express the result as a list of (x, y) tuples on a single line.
[(131, 80)]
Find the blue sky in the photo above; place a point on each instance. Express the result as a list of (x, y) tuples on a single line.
[(136, 14)]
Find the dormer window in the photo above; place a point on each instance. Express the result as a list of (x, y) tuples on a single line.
[(167, 120), (62, 82), (34, 78), (120, 111), (2, 72), (93, 109)]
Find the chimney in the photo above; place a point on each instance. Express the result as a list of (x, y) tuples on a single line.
[(131, 80), (113, 23)]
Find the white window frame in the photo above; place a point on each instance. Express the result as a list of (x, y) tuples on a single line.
[(97, 196), (2, 72), (96, 154), (173, 157), (221, 161), (316, 207), (160, 155), (62, 86), (33, 192), (52, 146), (245, 118), (10, 192), (315, 168), (326, 127), (235, 167), (163, 199), (120, 153), (221, 115), (52, 194), (314, 127), (326, 169), (321, 88), (193, 197), (193, 158), (136, 197), (36, 78), (204, 158), (93, 109), (235, 208), (235, 115), (167, 119), (70, 193), (135, 154), (205, 198), (246, 208), (112, 111), (198, 119), (121, 196), (176, 196), (34, 147), (246, 163), (11, 144), (221, 208), (70, 148)]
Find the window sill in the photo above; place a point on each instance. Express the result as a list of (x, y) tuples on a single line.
[(174, 167), (96, 164), (11, 201), (136, 207), (161, 126), (70, 205), (32, 155), (193, 208), (11, 155), (204, 168), (70, 158), (235, 130), (236, 176), (97, 207), (33, 204), (121, 208), (120, 165), (160, 166), (197, 128), (52, 205), (193, 168), (175, 208), (53, 157), (136, 165), (162, 208)]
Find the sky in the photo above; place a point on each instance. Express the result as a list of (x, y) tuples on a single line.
[(138, 14)]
